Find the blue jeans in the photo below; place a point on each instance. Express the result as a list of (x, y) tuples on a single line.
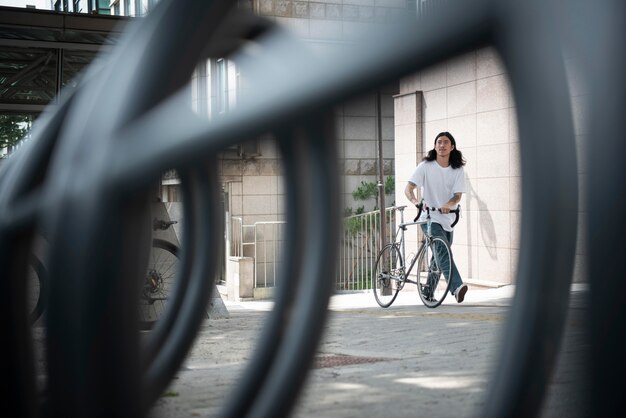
[(437, 231)]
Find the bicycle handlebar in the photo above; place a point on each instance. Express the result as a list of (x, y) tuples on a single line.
[(421, 207)]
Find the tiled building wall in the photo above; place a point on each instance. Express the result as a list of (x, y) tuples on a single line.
[(409, 126), (470, 97), (331, 19), (358, 147), (255, 184)]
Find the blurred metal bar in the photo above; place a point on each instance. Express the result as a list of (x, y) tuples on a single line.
[(94, 168), (602, 56)]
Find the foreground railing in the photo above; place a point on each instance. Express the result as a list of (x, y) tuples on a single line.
[(84, 180)]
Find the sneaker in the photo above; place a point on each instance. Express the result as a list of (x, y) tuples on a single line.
[(460, 293)]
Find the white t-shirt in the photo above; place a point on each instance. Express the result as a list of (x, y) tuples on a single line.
[(438, 185)]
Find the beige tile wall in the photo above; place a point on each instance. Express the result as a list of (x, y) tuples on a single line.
[(470, 96), (258, 195), (408, 150)]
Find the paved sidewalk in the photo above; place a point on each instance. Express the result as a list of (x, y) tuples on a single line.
[(403, 361)]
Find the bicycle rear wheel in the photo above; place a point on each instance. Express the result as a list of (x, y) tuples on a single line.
[(388, 279), (433, 263), (158, 281)]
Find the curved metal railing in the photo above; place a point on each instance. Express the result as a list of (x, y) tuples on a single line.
[(90, 164)]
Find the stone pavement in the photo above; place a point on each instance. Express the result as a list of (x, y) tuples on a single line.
[(403, 361)]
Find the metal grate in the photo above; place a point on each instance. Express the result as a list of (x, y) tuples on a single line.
[(340, 360)]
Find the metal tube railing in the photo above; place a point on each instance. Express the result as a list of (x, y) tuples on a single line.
[(84, 171), (360, 247), (271, 239), (236, 236)]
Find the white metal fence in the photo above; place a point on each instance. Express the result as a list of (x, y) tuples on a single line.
[(359, 247), (263, 242), (268, 243), (357, 252)]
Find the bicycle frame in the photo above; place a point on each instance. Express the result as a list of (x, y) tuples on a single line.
[(402, 227)]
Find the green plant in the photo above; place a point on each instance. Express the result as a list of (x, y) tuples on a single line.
[(362, 281), (369, 190), (366, 191), (352, 224), (360, 235), (390, 185), (13, 128)]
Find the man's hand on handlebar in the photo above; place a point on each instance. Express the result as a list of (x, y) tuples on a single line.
[(443, 209)]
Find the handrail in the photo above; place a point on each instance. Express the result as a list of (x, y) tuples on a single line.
[(359, 248)]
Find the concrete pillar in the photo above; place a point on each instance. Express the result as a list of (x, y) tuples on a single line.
[(240, 280)]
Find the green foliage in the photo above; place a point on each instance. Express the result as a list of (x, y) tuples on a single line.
[(360, 281), (390, 185), (365, 191), (349, 212), (358, 226), (13, 128), (352, 225), (369, 190)]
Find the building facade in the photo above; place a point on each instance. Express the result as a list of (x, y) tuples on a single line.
[(251, 172), (471, 97)]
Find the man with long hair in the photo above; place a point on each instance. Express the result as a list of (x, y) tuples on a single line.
[(441, 179)]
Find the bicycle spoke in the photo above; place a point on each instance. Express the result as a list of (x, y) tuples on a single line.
[(433, 271), (388, 277), (159, 280)]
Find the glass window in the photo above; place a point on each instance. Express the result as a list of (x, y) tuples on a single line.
[(222, 85)]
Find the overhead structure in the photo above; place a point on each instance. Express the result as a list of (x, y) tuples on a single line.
[(41, 52)]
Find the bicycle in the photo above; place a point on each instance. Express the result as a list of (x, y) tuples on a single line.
[(433, 259), (155, 289), (160, 277)]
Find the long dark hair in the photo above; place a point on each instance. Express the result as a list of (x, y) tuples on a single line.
[(456, 157)]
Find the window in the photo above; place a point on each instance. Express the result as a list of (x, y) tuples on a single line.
[(138, 8), (100, 7), (222, 85)]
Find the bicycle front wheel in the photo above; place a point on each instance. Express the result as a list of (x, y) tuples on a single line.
[(158, 281), (389, 278), (434, 268)]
